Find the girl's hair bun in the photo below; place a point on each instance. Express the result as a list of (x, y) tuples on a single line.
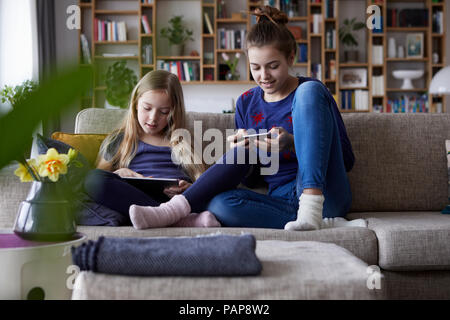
[(272, 14)]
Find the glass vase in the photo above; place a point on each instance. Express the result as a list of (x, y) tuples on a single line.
[(46, 214), (232, 75)]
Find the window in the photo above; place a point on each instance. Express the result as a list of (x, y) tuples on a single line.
[(18, 42)]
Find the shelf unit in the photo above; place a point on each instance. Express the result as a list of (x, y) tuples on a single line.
[(318, 52), (433, 42)]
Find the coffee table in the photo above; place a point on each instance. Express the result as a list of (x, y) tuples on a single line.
[(36, 270)]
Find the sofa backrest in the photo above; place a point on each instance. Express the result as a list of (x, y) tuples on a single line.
[(400, 158)]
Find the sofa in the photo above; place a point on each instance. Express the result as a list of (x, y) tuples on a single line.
[(399, 185)]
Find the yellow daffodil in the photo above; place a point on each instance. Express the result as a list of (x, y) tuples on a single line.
[(23, 173), (53, 164)]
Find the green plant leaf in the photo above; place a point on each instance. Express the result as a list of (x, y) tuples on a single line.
[(52, 96)]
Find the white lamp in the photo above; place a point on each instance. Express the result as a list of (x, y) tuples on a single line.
[(440, 84)]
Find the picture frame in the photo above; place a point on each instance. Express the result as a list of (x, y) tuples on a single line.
[(414, 45), (353, 77)]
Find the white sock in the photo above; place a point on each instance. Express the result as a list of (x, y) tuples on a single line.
[(309, 214), (339, 222)]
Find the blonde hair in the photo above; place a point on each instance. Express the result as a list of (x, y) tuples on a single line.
[(182, 150)]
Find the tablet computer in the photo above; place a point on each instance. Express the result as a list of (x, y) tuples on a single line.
[(153, 187)]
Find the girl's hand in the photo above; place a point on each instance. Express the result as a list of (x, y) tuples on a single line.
[(125, 172), (279, 138), (173, 191), (236, 140)]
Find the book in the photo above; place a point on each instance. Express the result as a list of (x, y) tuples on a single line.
[(146, 25), (153, 187), (208, 24), (85, 49)]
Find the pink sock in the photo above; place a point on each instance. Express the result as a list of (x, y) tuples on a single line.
[(164, 215), (202, 220)]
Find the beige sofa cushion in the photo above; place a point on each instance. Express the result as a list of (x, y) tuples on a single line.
[(411, 240), (362, 242), (291, 270)]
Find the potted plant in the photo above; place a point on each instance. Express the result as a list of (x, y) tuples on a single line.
[(177, 35), (14, 95), (119, 81), (346, 36)]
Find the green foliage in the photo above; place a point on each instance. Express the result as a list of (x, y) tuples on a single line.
[(346, 35), (15, 95), (49, 98), (120, 81), (177, 33)]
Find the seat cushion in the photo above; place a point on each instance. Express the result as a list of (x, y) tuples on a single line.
[(291, 270), (362, 242), (411, 240)]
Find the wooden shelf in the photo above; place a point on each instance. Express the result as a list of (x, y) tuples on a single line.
[(116, 12), (406, 29), (117, 58), (353, 88), (229, 20), (229, 50), (351, 65), (405, 90), (117, 42), (178, 57), (209, 66), (406, 59)]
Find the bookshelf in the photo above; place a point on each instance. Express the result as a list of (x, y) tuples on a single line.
[(389, 96), (320, 55)]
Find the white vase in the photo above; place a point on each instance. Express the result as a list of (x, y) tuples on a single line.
[(401, 52), (392, 48)]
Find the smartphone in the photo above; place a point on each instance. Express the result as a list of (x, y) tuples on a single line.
[(256, 135)]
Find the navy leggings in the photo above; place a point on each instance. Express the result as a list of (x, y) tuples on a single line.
[(110, 190)]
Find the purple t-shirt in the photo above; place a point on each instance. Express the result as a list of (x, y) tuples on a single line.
[(156, 161), (253, 112)]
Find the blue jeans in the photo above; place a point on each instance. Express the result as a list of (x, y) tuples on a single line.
[(320, 165)]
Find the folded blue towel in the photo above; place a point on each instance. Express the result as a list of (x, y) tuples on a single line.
[(216, 255)]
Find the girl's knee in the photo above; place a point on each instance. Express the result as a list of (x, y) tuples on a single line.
[(224, 206), (310, 91)]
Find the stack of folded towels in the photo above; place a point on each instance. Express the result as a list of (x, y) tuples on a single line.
[(214, 255)]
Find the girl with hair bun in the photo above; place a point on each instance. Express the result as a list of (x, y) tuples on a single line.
[(311, 190)]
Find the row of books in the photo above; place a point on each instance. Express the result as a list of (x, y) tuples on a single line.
[(357, 100), (316, 71), (330, 8), (106, 30), (146, 25), (147, 1), (330, 70), (377, 54), (438, 22), (407, 104), (330, 39), (302, 53), (231, 39), (184, 70), (378, 85)]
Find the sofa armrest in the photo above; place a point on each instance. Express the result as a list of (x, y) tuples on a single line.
[(12, 192)]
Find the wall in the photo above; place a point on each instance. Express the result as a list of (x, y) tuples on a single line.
[(212, 98)]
